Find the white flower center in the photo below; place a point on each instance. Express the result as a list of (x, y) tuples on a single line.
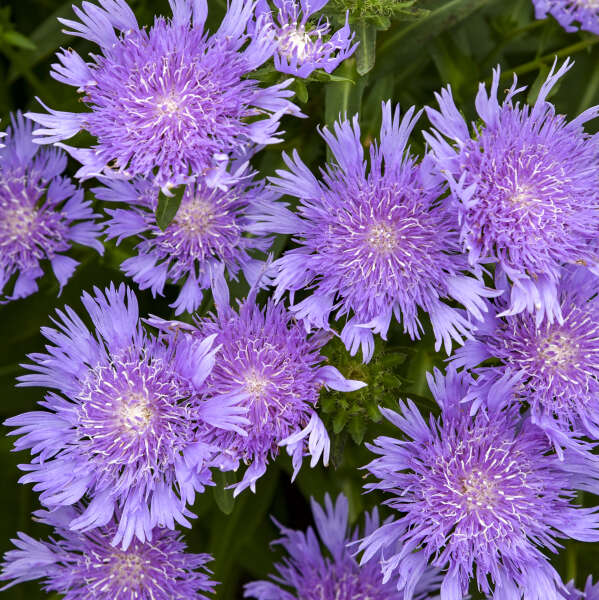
[(128, 569), (295, 43), (168, 106), (17, 223), (479, 491), (135, 412), (195, 217), (558, 350), (256, 384), (523, 198), (382, 238)]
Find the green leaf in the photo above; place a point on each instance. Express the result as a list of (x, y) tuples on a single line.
[(301, 91), (223, 496), (366, 52), (344, 98), (321, 75), (14, 38), (168, 206)]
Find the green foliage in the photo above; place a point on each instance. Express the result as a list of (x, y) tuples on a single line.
[(168, 205), (375, 9), (351, 412)]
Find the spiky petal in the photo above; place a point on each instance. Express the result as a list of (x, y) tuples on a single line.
[(123, 429), (374, 244), (526, 187), (168, 101), (323, 566), (303, 46), (85, 565), (478, 496), (41, 214)]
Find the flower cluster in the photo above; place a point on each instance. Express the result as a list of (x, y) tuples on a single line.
[(270, 366), (487, 240), (557, 363), (123, 430), (377, 244), (526, 188), (41, 214)]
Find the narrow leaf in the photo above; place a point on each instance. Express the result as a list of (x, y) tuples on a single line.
[(14, 38), (223, 496), (168, 207), (366, 52)]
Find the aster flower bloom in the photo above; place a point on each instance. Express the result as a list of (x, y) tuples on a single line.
[(274, 370), (585, 13), (86, 565), (165, 102), (557, 363), (374, 244), (302, 46), (41, 214), (212, 227), (314, 575), (526, 186), (478, 496), (123, 429)]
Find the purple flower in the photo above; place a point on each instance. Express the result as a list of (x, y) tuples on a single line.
[(41, 214), (334, 574), (123, 428), (591, 592), (478, 496), (274, 370), (165, 102), (374, 244), (303, 46), (86, 565), (585, 13), (212, 227), (556, 363), (526, 188)]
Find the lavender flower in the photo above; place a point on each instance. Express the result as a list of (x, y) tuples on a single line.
[(478, 496), (557, 363), (41, 214), (373, 245), (124, 427), (212, 227), (167, 101), (591, 592), (86, 565), (273, 370), (526, 188), (302, 46), (568, 12), (313, 575)]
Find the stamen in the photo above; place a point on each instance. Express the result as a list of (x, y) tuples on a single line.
[(382, 238)]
